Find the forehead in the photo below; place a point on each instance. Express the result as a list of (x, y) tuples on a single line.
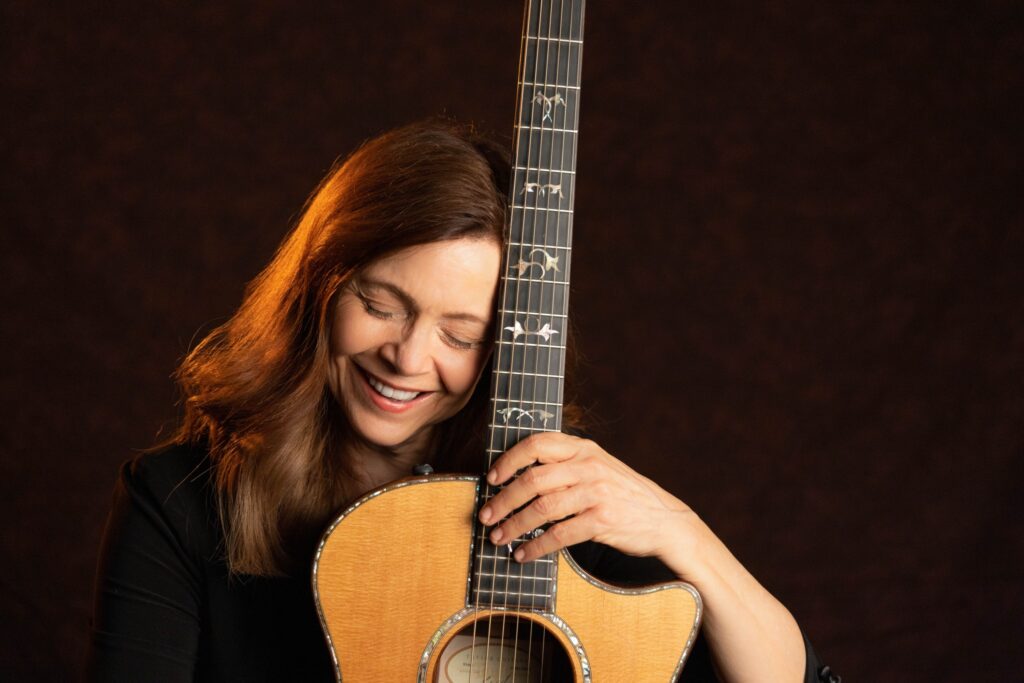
[(451, 277)]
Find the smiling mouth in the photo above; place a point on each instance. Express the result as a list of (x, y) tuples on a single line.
[(389, 392)]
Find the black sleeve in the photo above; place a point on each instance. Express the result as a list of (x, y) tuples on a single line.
[(148, 589), (608, 564)]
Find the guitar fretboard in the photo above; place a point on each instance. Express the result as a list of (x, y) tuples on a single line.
[(529, 353)]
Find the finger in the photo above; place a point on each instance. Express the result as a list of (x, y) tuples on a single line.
[(544, 509), (543, 448), (569, 532), (533, 482)]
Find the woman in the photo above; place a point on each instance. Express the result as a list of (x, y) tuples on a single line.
[(356, 355)]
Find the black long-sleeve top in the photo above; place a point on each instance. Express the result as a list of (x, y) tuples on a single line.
[(167, 608)]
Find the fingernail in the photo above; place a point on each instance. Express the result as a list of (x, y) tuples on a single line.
[(519, 555), (496, 536), (485, 515), (492, 476)]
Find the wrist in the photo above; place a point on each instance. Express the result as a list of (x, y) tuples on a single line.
[(687, 540)]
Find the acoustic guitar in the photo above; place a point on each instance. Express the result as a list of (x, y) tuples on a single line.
[(470, 613)]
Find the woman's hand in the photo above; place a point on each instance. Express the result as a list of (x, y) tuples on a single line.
[(596, 496), (590, 495)]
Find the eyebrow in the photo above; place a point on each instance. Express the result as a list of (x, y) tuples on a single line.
[(409, 302)]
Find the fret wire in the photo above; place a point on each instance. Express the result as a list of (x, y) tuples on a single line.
[(531, 84), (506, 559), (527, 374), (539, 208), (543, 170), (536, 403), (521, 428), (545, 346), (557, 40), (524, 578), (534, 244), (505, 592), (494, 564), (533, 314), (565, 131), (495, 570), (530, 279), (540, 560)]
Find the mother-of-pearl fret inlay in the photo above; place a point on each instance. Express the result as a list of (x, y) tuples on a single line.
[(548, 102), (545, 332), (529, 358), (547, 262), (545, 189), (517, 414)]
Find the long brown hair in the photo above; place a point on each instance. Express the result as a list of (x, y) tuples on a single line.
[(255, 389)]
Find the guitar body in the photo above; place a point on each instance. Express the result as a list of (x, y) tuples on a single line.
[(391, 580)]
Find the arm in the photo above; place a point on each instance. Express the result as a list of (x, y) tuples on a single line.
[(751, 634)]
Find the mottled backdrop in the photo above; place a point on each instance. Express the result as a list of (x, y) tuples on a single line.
[(797, 283)]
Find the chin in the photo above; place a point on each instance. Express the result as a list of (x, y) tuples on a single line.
[(381, 434)]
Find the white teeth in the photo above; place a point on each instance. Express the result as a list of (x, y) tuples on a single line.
[(390, 392)]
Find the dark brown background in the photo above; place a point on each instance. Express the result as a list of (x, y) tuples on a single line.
[(798, 277)]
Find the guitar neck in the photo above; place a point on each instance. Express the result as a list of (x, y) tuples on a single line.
[(529, 355), (527, 382)]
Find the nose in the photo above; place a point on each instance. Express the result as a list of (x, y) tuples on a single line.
[(409, 354)]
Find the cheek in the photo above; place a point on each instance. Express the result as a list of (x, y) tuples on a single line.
[(349, 334), (460, 374)]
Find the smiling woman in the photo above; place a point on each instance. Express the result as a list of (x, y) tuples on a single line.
[(355, 355)]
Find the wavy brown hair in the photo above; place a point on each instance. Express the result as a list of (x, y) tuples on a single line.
[(255, 389)]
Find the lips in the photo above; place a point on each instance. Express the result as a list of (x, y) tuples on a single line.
[(390, 398), (391, 392)]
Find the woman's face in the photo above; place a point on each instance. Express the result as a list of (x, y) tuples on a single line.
[(409, 338)]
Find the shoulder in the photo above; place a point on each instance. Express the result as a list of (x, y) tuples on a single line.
[(172, 488), (160, 543), (178, 470)]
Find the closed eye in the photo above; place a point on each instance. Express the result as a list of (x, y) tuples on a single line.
[(375, 311), (457, 343)]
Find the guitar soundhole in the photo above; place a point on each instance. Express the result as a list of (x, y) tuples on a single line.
[(504, 649)]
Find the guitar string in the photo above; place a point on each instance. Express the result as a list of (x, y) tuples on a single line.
[(506, 431), (570, 196), (529, 290), (557, 221), (530, 162), (481, 546), (545, 233), (578, 15), (575, 141)]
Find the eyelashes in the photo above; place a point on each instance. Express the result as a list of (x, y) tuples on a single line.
[(460, 344), (447, 337), (375, 312)]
